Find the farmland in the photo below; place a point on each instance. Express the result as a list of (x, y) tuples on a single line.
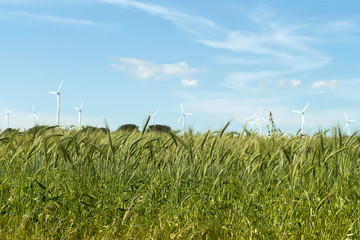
[(62, 184)]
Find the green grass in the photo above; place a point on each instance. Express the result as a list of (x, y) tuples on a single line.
[(58, 184)]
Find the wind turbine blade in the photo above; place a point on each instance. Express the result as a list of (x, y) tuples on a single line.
[(182, 110), (346, 117), (30, 116), (155, 113), (254, 115), (35, 116), (351, 120), (306, 107), (60, 85), (77, 109), (187, 113), (52, 92), (296, 111), (81, 105), (180, 118)]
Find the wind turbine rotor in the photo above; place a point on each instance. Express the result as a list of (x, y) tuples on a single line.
[(152, 115), (348, 121), (183, 114), (7, 110), (252, 121)]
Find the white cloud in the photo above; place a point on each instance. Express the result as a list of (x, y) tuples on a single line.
[(150, 70), (323, 84), (289, 83), (179, 69), (189, 83)]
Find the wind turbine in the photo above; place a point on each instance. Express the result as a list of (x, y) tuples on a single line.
[(7, 117), (79, 109), (252, 120), (302, 117), (33, 115), (152, 115), (261, 120), (348, 121), (183, 114), (57, 93)]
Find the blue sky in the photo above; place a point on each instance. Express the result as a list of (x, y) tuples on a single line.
[(221, 60)]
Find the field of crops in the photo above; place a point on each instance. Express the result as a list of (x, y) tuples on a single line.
[(62, 184)]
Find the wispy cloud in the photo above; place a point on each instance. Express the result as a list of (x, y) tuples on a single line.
[(195, 25), (282, 44), (226, 59), (43, 2), (243, 80), (150, 70), (340, 26), (325, 84), (49, 18)]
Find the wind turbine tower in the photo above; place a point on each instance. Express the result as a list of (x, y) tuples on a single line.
[(33, 115), (260, 119), (57, 93), (7, 117), (152, 115), (183, 114), (79, 109), (302, 117), (348, 121)]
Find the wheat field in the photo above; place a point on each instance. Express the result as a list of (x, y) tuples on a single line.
[(98, 184)]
